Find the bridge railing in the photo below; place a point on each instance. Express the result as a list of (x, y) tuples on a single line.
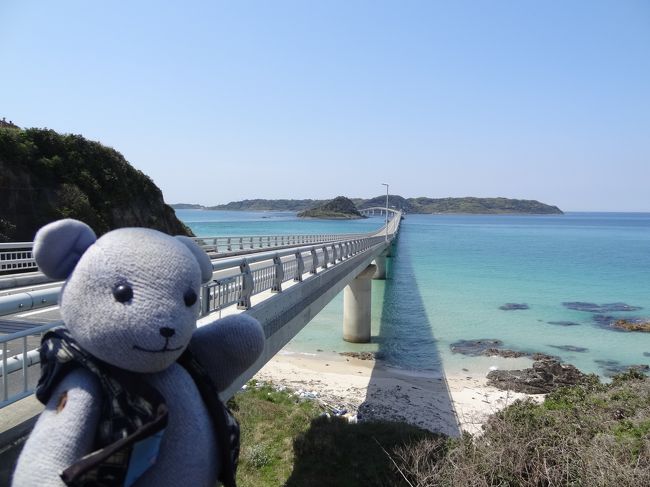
[(237, 280), (253, 242), (23, 387), (18, 257), (372, 210), (246, 277)]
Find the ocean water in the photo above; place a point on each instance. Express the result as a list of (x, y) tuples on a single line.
[(450, 274)]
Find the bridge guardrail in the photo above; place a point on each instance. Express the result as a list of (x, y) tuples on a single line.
[(247, 276), (18, 362), (252, 242), (18, 257), (277, 268)]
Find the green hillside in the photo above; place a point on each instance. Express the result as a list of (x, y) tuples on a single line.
[(410, 205), (340, 208), (46, 176)]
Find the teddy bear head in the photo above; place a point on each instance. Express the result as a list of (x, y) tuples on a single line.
[(131, 297)]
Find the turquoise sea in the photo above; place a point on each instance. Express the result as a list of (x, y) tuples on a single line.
[(451, 273)]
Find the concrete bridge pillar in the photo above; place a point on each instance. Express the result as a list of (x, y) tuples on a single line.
[(380, 263), (389, 250), (357, 306)]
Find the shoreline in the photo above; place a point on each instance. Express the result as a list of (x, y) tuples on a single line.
[(369, 389)]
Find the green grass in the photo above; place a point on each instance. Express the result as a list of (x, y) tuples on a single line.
[(270, 420), (592, 434), (286, 441)]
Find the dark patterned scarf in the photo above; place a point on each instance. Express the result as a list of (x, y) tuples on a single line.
[(133, 414)]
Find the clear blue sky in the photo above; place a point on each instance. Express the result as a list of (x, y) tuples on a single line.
[(220, 101)]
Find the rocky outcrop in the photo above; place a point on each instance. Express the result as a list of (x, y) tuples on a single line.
[(543, 377), (491, 347), (46, 176), (633, 325)]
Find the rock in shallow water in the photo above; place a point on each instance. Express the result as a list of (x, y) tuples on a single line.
[(543, 377), (611, 368), (633, 325), (514, 306), (570, 348), (599, 308), (622, 325), (504, 352), (563, 323), (489, 347), (474, 348)]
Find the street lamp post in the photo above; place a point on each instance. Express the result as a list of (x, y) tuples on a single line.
[(386, 184)]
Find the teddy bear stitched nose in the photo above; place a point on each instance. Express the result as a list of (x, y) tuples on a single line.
[(167, 332)]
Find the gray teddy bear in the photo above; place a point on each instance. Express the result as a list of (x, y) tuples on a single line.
[(130, 383)]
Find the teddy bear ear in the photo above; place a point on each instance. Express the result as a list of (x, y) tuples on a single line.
[(202, 258), (58, 246)]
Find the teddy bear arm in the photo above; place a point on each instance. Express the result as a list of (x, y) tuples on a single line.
[(64, 432), (227, 347)]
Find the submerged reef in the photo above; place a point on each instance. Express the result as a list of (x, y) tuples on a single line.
[(514, 306), (600, 308)]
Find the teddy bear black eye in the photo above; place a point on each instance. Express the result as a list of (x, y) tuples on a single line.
[(123, 293), (189, 297)]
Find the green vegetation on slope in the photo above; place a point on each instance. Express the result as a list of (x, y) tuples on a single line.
[(479, 206), (45, 176), (592, 434), (264, 205), (286, 441), (410, 205), (338, 208)]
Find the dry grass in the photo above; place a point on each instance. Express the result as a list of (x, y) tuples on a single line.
[(590, 435)]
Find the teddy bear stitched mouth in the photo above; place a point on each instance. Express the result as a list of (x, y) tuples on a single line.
[(164, 349)]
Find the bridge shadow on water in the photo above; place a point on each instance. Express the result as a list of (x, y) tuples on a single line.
[(407, 385), (408, 382)]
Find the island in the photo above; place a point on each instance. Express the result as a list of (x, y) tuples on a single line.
[(340, 208), (46, 176), (422, 205)]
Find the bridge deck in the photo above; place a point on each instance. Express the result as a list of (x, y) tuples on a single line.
[(282, 314)]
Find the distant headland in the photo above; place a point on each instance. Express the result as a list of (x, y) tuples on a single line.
[(423, 205)]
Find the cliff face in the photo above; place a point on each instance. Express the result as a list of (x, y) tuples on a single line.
[(45, 176)]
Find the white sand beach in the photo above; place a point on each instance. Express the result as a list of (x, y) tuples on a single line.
[(445, 403)]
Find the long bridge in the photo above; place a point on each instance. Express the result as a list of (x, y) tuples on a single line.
[(281, 280)]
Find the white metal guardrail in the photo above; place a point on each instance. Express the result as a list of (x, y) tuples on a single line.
[(251, 242), (248, 276), (18, 362), (17, 256), (236, 281)]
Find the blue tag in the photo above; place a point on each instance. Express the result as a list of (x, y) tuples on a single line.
[(143, 456)]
